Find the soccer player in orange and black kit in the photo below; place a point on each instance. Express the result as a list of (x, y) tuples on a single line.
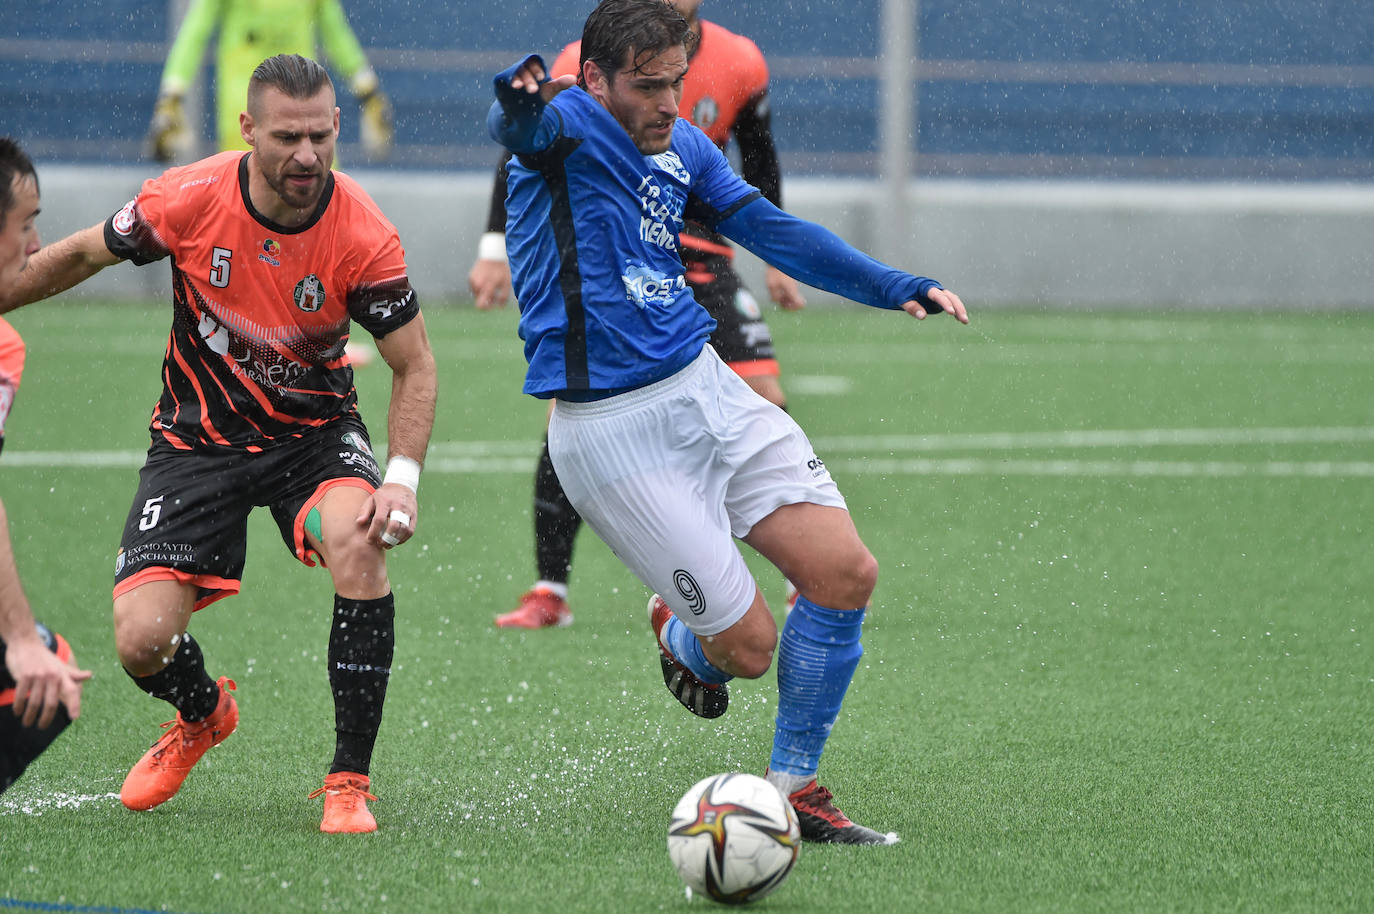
[(272, 255), (40, 686), (725, 93)]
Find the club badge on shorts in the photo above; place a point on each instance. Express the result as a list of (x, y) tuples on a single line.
[(358, 443), (358, 453)]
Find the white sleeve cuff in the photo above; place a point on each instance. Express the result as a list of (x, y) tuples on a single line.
[(492, 246)]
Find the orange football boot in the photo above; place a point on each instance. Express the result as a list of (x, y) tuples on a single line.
[(537, 609), (345, 804), (157, 776)]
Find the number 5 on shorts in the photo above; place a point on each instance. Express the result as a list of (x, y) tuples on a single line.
[(152, 511)]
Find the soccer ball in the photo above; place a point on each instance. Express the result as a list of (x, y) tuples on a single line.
[(733, 837)]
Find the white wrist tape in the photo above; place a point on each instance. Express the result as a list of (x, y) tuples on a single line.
[(402, 471), (492, 246)]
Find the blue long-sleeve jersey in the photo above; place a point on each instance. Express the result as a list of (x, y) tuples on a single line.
[(592, 235)]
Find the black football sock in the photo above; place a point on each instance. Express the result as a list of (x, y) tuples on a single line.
[(183, 682), (360, 647), (555, 523)]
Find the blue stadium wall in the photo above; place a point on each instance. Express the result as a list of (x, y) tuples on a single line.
[(1233, 89)]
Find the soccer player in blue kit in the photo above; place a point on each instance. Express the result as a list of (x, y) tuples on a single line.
[(665, 452)]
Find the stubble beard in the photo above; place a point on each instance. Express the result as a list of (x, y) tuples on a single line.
[(652, 146), (293, 197)]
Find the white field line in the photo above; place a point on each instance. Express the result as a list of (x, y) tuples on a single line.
[(899, 454), (1144, 437), (1106, 468)]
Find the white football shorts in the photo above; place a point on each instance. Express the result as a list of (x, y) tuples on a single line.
[(668, 474)]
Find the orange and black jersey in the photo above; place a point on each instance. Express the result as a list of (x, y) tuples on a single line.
[(261, 311), (11, 371)]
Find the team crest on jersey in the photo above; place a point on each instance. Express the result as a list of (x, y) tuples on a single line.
[(747, 306), (271, 250), (123, 221), (705, 112), (309, 294), (669, 162)]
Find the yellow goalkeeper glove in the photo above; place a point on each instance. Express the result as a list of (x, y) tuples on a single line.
[(377, 129), (169, 140)]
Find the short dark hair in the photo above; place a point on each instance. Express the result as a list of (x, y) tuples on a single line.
[(291, 74), (14, 163), (616, 27)]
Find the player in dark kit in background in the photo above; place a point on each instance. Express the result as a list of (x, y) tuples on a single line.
[(725, 94), (40, 686), (666, 453), (272, 254)]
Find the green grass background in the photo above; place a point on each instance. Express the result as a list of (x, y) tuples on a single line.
[(1101, 691)]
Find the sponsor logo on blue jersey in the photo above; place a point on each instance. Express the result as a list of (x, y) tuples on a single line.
[(660, 212), (646, 286), (672, 164)]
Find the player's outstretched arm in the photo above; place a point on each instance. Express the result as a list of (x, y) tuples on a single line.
[(43, 681), (390, 514), (820, 258), (58, 267)]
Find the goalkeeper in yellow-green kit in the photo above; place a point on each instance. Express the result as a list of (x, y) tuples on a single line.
[(249, 32)]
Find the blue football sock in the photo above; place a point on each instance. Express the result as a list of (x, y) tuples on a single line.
[(686, 647), (817, 656)]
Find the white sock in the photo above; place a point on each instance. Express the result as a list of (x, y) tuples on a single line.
[(788, 783), (791, 598), (553, 587)]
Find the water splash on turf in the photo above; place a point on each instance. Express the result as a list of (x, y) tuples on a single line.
[(37, 804)]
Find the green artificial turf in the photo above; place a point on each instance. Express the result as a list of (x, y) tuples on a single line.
[(1118, 659)]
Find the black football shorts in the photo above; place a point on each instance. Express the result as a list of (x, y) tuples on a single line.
[(190, 514)]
